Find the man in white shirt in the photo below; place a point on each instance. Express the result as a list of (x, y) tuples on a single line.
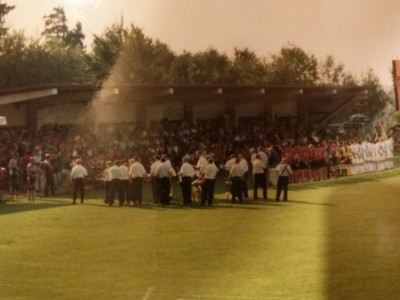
[(259, 177), (187, 173), (284, 172), (137, 173), (123, 181), (209, 172), (115, 175), (164, 174), (155, 163), (236, 177), (78, 174), (245, 166)]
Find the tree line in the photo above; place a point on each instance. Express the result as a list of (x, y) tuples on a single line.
[(125, 54)]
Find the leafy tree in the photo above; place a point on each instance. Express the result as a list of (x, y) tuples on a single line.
[(247, 68), (4, 10), (211, 67), (12, 53), (75, 37), (293, 66), (105, 50), (144, 60), (55, 25), (332, 73), (181, 69)]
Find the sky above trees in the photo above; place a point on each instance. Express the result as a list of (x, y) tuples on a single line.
[(361, 34)]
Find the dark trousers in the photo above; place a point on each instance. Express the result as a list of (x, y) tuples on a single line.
[(114, 186), (236, 189), (283, 183), (155, 189), (164, 186), (187, 189), (244, 186), (79, 186), (49, 185), (107, 187), (137, 184), (260, 182), (207, 192), (123, 190)]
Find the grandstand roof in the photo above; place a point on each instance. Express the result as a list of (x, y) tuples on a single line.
[(314, 104)]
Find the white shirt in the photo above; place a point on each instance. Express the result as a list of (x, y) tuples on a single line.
[(114, 172), (78, 171), (137, 170), (229, 164), (237, 171), (153, 168), (284, 169), (124, 172), (163, 170), (210, 171), (187, 170), (258, 166), (244, 165)]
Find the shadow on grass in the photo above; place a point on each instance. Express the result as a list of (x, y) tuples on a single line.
[(18, 207)]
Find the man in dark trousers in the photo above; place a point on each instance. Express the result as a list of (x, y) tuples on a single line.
[(284, 172), (78, 174)]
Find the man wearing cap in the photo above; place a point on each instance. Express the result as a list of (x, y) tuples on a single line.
[(78, 174)]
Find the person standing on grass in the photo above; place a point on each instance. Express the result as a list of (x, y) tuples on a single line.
[(164, 184), (284, 172), (155, 190), (115, 176), (137, 173), (187, 173), (14, 178), (236, 175), (78, 174), (32, 171), (107, 181), (259, 177), (209, 172), (124, 181)]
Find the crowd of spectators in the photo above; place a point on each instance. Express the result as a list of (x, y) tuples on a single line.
[(94, 145)]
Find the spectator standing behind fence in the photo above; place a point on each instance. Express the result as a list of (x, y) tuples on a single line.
[(32, 175), (78, 174), (48, 173), (284, 172)]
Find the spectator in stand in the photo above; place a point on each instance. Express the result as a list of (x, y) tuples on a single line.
[(32, 171)]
